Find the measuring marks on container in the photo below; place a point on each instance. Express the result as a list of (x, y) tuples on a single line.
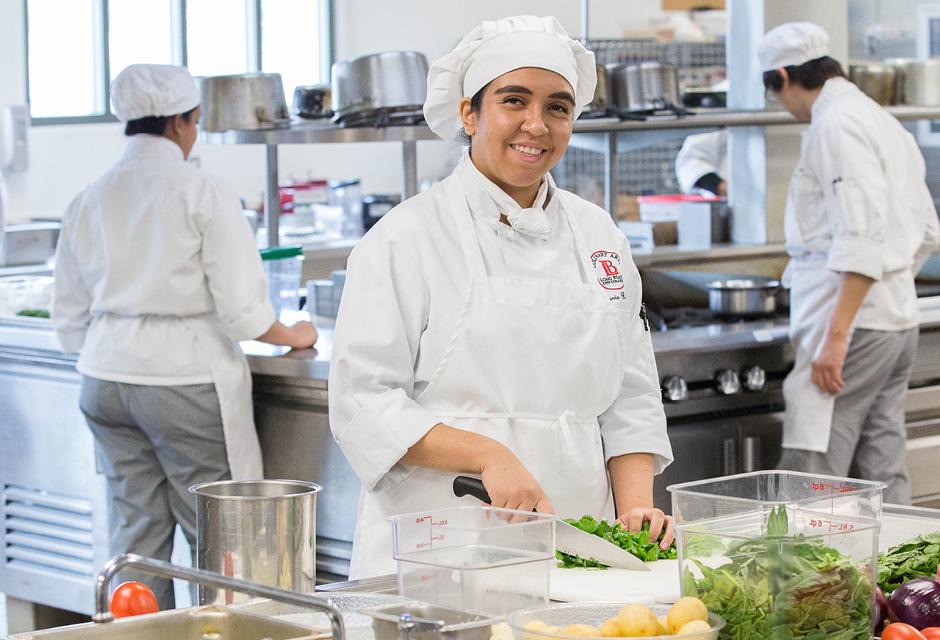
[(436, 531)]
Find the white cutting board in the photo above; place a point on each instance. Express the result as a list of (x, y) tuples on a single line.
[(613, 585)]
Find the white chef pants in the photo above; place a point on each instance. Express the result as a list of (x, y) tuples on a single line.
[(152, 444), (868, 438)]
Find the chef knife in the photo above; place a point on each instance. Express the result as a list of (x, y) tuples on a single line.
[(568, 538)]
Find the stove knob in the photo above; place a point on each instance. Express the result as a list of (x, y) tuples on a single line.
[(755, 378), (727, 382), (675, 389)]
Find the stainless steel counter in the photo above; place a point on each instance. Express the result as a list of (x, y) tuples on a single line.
[(30, 335)]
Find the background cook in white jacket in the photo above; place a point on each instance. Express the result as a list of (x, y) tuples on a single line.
[(491, 325), (860, 222), (157, 278), (702, 163)]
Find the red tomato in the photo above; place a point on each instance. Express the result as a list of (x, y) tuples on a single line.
[(931, 633), (133, 599)]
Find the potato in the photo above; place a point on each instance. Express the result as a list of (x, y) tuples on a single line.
[(583, 630), (611, 628), (501, 631), (695, 626), (686, 610), (663, 626), (538, 630), (637, 620)]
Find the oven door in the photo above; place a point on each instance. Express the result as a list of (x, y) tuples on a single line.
[(923, 444)]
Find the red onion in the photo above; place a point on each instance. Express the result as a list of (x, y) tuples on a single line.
[(917, 602)]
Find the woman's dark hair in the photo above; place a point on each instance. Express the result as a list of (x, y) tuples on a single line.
[(153, 125), (476, 103), (809, 75)]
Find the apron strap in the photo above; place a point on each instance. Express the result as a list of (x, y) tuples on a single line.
[(469, 241), (584, 259)]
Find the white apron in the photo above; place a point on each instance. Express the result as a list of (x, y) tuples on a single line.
[(813, 288), (232, 380), (531, 364)]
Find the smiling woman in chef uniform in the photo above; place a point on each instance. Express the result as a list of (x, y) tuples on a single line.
[(157, 277), (492, 325)]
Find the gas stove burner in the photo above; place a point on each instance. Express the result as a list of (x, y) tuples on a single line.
[(381, 118), (671, 318)]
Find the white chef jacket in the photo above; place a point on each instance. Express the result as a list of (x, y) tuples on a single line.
[(406, 282), (701, 154), (859, 200), (153, 244)]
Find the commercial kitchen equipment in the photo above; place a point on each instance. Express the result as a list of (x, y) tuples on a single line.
[(263, 531), (380, 89), (312, 101), (242, 101), (752, 297), (877, 80), (607, 136)]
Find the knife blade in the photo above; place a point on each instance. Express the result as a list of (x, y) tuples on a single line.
[(568, 538), (573, 541)]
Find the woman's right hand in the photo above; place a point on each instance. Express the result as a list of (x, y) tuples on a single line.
[(302, 335), (510, 484)]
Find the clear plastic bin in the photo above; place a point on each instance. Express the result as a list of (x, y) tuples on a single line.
[(477, 559), (283, 267), (781, 554)]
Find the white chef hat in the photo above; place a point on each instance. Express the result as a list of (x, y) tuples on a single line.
[(143, 90), (497, 47), (792, 44)]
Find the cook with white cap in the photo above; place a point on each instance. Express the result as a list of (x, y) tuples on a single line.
[(859, 224), (492, 325), (157, 278)]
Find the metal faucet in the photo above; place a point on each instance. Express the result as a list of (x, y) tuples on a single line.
[(166, 570)]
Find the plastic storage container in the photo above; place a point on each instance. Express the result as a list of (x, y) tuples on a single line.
[(781, 554), (284, 267), (474, 559)]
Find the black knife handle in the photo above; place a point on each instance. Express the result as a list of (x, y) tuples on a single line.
[(467, 486)]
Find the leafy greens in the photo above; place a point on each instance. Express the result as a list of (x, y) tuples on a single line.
[(787, 588), (637, 543), (917, 558)]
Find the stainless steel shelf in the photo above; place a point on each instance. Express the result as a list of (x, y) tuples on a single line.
[(608, 136), (320, 132), (325, 132)]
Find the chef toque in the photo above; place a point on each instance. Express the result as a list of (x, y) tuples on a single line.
[(143, 90), (792, 44), (497, 47)]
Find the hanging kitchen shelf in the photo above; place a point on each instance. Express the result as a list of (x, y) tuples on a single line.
[(608, 136)]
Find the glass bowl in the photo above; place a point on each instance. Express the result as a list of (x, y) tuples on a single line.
[(594, 614)]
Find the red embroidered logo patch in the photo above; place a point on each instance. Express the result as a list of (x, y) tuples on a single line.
[(607, 269)]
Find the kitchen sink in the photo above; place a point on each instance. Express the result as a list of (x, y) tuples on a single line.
[(196, 623)]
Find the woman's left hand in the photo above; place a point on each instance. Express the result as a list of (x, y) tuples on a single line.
[(633, 520)]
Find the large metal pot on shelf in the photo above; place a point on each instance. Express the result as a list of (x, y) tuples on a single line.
[(380, 88), (243, 101), (600, 103), (923, 82), (877, 80), (643, 87)]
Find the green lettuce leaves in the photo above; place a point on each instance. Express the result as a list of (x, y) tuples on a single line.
[(637, 543)]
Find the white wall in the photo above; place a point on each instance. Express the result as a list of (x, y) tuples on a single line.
[(64, 159)]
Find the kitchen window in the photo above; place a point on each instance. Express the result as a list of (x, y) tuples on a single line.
[(76, 47)]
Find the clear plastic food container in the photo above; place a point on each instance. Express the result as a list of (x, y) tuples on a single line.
[(553, 622), (476, 559), (25, 293), (781, 554), (283, 267)]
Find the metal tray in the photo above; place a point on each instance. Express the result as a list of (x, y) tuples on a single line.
[(423, 621)]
